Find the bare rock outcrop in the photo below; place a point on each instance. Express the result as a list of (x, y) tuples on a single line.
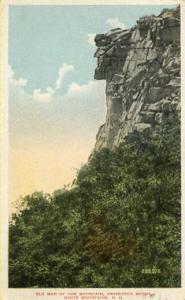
[(141, 67)]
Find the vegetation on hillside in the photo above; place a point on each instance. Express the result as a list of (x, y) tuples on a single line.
[(119, 226)]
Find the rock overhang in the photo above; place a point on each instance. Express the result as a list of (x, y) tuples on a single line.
[(141, 66)]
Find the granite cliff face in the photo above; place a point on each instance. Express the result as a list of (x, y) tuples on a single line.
[(141, 67)]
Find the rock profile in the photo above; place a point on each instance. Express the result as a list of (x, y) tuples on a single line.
[(141, 67)]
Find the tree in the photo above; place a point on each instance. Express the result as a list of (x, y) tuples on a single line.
[(118, 227)]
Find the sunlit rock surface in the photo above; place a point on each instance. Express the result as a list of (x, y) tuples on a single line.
[(141, 67)]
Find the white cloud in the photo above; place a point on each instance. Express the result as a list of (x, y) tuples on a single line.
[(16, 82), (46, 96), (16, 86), (80, 88), (91, 37), (115, 23), (77, 114), (64, 69)]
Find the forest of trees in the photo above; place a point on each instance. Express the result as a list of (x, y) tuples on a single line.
[(118, 226)]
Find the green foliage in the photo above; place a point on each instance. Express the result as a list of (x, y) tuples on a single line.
[(118, 227)]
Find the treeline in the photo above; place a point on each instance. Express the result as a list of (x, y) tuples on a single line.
[(119, 226)]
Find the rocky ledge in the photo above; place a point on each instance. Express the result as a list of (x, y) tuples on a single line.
[(141, 67)]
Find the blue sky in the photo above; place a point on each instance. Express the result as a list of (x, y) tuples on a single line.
[(55, 105)]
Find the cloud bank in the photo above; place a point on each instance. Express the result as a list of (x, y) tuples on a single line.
[(17, 85), (46, 96), (80, 111)]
